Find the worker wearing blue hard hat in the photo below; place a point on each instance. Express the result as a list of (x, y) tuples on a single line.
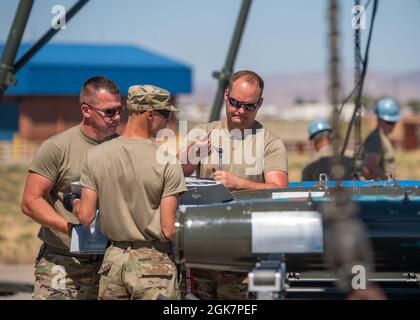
[(387, 110), (379, 153), (319, 132), (320, 124)]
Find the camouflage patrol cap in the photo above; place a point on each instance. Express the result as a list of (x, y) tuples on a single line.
[(143, 97)]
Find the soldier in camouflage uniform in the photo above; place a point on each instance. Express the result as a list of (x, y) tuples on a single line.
[(60, 274), (243, 99), (138, 195)]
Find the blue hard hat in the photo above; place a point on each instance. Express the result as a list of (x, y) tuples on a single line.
[(318, 125), (387, 109)]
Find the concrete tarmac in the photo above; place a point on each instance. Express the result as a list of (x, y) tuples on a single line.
[(19, 274)]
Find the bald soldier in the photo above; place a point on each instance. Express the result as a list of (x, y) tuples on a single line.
[(137, 197), (60, 274), (242, 155), (252, 157)]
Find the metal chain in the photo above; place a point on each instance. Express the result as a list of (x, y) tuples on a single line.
[(358, 62), (357, 53), (334, 90)]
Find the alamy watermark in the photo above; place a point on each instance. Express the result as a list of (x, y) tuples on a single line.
[(58, 21), (359, 17), (359, 280), (216, 148)]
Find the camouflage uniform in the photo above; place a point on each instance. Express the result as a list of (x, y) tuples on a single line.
[(138, 274), (226, 285), (130, 184), (60, 277), (233, 285), (60, 160)]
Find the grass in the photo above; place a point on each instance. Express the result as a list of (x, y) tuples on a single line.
[(18, 233), (408, 165), (19, 243)]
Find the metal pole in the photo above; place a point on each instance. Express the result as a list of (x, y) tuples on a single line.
[(224, 75), (334, 73), (7, 77), (337, 171), (47, 36)]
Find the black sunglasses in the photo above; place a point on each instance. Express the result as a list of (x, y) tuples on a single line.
[(109, 113), (247, 106), (165, 113)]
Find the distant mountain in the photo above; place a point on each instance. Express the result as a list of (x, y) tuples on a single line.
[(284, 89)]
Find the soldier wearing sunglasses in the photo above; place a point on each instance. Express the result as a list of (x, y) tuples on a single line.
[(243, 99), (59, 274)]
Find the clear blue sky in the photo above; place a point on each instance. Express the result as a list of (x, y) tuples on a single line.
[(280, 36)]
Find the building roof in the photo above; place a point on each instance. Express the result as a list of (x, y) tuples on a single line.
[(61, 69)]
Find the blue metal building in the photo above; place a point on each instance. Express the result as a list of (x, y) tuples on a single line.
[(50, 83)]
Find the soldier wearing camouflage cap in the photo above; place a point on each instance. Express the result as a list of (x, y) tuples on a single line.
[(144, 97), (137, 197)]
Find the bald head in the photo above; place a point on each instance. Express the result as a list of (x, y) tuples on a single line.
[(249, 78)]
